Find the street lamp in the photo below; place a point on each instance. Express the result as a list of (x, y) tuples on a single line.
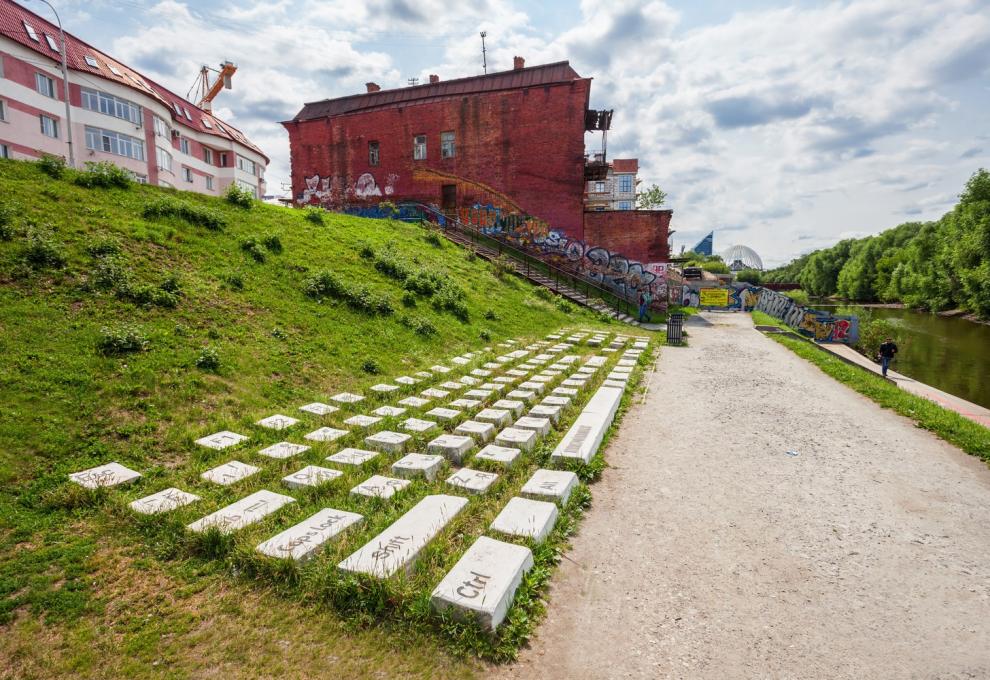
[(65, 83)]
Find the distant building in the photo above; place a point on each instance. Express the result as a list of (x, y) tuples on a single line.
[(617, 191), (118, 115), (741, 257), (704, 246), (510, 140)]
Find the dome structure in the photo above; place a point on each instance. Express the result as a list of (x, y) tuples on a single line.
[(741, 257)]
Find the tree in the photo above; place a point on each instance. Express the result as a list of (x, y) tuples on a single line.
[(651, 199), (753, 276)]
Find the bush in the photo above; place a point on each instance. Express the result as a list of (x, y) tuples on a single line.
[(279, 334), (408, 298), (753, 276), (563, 305), (166, 206), (366, 251), (873, 332), (799, 296), (433, 238), (7, 214), (490, 315), (273, 243), (425, 282), (389, 264), (105, 175), (110, 274), (314, 215), (53, 166), (450, 298), (208, 359), (253, 248), (242, 198), (171, 284), (371, 367), (147, 295), (117, 340), (604, 317), (485, 335), (103, 247), (43, 251), (326, 284), (233, 280), (419, 325), (543, 293), (502, 267)]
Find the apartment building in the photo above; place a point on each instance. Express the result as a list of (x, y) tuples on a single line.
[(618, 190), (118, 115)]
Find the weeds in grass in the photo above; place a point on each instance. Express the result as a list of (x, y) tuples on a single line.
[(491, 315), (233, 280), (166, 206), (502, 267), (103, 247), (434, 239), (273, 243), (7, 214), (118, 340), (105, 175), (242, 198), (314, 215), (327, 285), (371, 367), (208, 359), (53, 166), (408, 298), (251, 246), (43, 251)]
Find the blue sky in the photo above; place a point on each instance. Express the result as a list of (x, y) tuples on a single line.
[(784, 126)]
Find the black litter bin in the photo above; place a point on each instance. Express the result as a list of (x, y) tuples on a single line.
[(675, 329)]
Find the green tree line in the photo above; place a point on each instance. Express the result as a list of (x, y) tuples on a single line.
[(937, 265)]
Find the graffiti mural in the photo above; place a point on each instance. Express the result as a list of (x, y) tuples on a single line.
[(812, 323), (335, 191)]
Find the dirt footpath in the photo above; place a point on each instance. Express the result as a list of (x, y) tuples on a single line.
[(712, 553)]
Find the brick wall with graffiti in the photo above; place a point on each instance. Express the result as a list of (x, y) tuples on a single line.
[(812, 323)]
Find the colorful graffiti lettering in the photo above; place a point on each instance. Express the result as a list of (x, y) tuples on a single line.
[(818, 325)]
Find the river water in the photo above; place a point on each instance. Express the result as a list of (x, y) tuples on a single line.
[(951, 354)]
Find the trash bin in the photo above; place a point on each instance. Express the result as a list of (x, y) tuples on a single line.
[(675, 329)]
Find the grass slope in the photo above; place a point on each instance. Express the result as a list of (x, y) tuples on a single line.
[(84, 266), (944, 423)]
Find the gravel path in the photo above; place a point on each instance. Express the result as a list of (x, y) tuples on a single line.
[(712, 553)]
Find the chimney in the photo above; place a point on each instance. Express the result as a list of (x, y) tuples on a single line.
[(434, 78), (518, 63), (372, 87)]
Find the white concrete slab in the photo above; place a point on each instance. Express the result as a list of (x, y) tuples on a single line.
[(585, 435), (325, 434), (440, 369), (460, 361), (491, 365), (163, 501), (240, 514), (311, 475), (626, 363), (497, 416), (540, 379), (478, 394), (556, 400), (318, 408), (540, 426), (522, 395), (621, 384), (405, 380), (443, 414), (352, 456), (347, 398), (400, 544), (111, 474), (283, 450), (565, 391), (482, 432), (502, 455), (418, 465), (526, 518), (414, 402), (221, 440), (417, 425), (229, 473), (305, 539), (514, 437), (517, 373), (546, 411), (596, 362), (379, 486), (550, 485), (472, 481), (468, 380), (571, 382), (452, 385), (384, 388), (362, 422), (277, 422), (513, 406), (453, 447), (390, 442), (389, 411), (423, 375), (434, 393), (504, 380), (492, 386), (532, 386), (465, 403), (481, 373)]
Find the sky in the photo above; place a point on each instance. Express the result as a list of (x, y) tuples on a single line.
[(784, 126)]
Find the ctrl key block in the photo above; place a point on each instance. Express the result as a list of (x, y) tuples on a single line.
[(483, 582)]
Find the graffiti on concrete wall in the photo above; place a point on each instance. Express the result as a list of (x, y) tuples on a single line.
[(334, 191), (812, 323)]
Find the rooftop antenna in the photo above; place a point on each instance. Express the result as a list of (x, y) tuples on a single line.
[(412, 81), (484, 56)]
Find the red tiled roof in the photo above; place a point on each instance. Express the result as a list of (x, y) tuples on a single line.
[(12, 20), (533, 76), (625, 165)]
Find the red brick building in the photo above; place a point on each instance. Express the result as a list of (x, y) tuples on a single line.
[(513, 140)]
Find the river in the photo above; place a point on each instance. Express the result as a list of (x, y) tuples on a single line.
[(951, 354)]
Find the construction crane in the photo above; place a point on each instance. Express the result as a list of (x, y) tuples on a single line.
[(207, 90)]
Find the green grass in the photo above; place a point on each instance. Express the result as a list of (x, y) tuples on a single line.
[(107, 311), (944, 423)]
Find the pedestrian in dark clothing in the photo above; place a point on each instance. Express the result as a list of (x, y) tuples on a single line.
[(886, 352), (644, 304)]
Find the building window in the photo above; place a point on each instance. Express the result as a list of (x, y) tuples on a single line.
[(245, 164), (208, 155), (51, 42), (247, 186), (187, 174), (223, 160), (161, 127), (44, 85), (419, 148), (209, 183), (91, 61), (599, 187), (626, 184), (373, 153), (184, 146), (3, 110), (447, 145), (112, 106), (30, 31), (49, 126), (109, 141), (4, 151), (141, 179), (625, 205), (164, 159)]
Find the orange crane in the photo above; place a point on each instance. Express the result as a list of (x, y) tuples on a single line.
[(207, 90)]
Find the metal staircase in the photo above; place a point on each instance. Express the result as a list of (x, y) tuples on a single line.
[(569, 284)]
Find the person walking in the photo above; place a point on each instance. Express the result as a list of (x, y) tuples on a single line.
[(644, 304), (886, 353)]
